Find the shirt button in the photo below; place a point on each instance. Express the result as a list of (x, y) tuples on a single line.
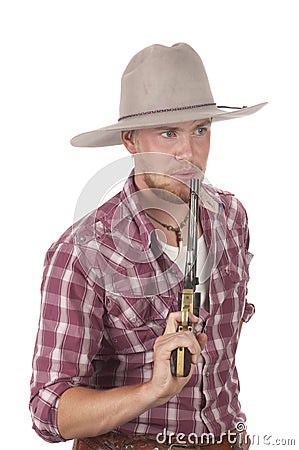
[(205, 414), (207, 373)]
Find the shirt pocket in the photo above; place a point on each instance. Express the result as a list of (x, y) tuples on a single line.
[(133, 324), (231, 276)]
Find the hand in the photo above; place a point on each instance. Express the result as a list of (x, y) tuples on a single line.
[(164, 385), (82, 411)]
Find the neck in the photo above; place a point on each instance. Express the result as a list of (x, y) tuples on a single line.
[(170, 214), (151, 199)]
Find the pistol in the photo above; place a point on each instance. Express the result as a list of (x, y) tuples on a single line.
[(188, 299)]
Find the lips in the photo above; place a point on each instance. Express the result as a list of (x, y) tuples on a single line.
[(185, 174)]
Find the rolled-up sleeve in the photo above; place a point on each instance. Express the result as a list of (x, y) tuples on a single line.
[(68, 337)]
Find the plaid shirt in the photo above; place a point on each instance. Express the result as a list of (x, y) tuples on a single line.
[(107, 291)]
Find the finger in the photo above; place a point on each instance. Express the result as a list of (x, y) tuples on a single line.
[(174, 320), (165, 344), (193, 318), (202, 340)]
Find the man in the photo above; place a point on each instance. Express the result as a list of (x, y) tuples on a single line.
[(109, 320)]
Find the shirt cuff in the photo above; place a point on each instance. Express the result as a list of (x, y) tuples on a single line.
[(43, 409)]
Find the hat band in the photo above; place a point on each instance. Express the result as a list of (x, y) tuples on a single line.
[(179, 108)]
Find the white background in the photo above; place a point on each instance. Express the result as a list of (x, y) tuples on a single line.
[(61, 63)]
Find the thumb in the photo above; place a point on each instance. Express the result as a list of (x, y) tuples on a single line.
[(202, 340)]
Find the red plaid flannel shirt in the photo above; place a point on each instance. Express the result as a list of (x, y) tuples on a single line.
[(107, 291)]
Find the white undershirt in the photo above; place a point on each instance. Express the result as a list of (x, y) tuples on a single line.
[(180, 260)]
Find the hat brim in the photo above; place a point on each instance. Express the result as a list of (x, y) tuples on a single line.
[(111, 135)]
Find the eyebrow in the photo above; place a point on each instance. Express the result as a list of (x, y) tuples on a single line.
[(199, 124)]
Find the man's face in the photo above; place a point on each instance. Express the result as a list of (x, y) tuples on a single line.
[(166, 158)]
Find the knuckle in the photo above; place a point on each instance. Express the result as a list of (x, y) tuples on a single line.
[(171, 318), (159, 342)]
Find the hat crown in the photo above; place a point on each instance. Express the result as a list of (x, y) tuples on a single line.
[(162, 86), (160, 77)]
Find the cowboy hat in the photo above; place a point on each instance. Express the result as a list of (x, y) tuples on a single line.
[(162, 86)]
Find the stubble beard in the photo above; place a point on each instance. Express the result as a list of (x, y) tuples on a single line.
[(167, 188)]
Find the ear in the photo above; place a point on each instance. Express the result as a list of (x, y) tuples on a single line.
[(129, 141)]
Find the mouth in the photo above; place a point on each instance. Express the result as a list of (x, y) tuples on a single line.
[(183, 175)]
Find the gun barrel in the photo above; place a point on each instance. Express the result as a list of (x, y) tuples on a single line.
[(189, 300), (191, 256)]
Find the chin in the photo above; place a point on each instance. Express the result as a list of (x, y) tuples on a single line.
[(165, 187)]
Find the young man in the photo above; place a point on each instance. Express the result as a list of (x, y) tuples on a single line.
[(109, 320)]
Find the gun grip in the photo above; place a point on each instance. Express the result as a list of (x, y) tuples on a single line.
[(180, 362)]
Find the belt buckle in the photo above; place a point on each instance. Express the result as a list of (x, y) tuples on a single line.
[(177, 446), (109, 445)]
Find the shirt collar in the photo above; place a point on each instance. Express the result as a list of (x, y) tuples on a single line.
[(209, 198), (131, 210), (129, 217)]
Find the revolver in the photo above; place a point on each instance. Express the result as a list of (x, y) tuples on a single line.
[(188, 299)]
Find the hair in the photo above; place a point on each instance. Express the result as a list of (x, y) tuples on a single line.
[(134, 136)]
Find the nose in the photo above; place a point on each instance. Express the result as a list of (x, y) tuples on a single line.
[(185, 148)]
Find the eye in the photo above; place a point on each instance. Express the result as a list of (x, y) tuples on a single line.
[(200, 131), (168, 133)]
